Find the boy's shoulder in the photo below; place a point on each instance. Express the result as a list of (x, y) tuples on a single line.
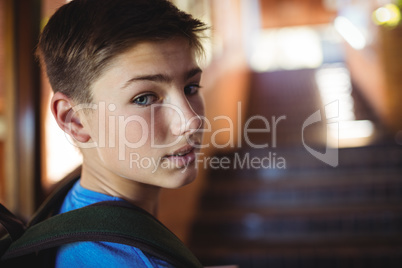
[(78, 197), (110, 221)]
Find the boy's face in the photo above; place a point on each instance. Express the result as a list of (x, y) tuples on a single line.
[(144, 125)]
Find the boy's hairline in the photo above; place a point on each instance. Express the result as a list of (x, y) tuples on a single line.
[(101, 57), (198, 52)]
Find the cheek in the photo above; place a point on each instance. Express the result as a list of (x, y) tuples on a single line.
[(198, 105), (113, 129), (134, 131), (160, 128)]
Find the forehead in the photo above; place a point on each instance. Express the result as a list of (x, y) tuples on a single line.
[(157, 54), (173, 58)]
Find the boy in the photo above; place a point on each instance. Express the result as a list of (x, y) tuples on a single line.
[(125, 79)]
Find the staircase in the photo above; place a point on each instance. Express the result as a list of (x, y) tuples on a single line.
[(306, 213), (312, 216)]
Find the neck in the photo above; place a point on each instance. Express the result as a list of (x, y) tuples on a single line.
[(103, 181)]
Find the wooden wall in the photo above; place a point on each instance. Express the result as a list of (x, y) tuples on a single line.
[(21, 95), (2, 52), (377, 72), (282, 13)]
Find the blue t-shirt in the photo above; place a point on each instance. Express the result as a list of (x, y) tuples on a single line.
[(99, 254)]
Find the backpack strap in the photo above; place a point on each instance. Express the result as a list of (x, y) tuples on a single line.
[(11, 228), (53, 202), (110, 221), (13, 225)]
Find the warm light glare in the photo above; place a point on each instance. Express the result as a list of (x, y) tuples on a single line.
[(350, 33), (352, 133), (286, 48), (344, 130), (263, 57), (334, 85), (382, 15), (355, 129), (62, 156), (388, 15)]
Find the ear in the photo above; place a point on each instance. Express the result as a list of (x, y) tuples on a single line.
[(68, 119)]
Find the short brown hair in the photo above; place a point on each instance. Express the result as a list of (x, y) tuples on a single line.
[(83, 36)]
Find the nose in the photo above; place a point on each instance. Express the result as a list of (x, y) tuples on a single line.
[(185, 119)]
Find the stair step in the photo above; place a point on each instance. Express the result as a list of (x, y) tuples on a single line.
[(299, 159), (369, 256)]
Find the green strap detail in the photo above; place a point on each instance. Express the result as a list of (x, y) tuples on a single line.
[(106, 223)]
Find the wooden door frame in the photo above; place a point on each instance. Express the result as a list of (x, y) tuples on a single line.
[(22, 107)]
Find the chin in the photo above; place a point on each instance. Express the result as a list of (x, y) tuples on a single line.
[(182, 179)]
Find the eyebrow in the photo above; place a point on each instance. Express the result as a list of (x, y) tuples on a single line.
[(161, 78)]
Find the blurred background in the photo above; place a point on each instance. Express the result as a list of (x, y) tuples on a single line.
[(325, 74)]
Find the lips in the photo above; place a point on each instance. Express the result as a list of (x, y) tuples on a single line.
[(182, 157), (183, 151)]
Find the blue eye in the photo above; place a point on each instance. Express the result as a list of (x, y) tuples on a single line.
[(145, 100), (191, 89)]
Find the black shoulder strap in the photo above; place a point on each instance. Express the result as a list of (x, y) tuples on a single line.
[(11, 228), (53, 202), (114, 221), (13, 225)]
